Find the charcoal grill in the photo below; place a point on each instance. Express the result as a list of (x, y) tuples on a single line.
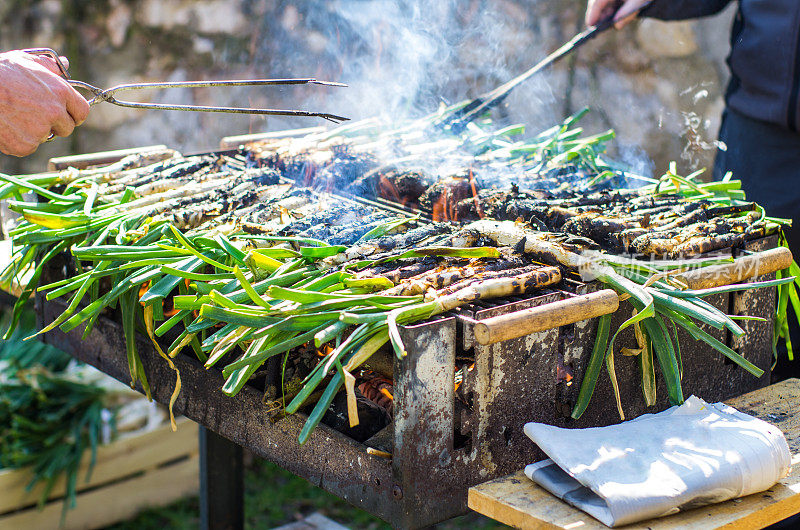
[(444, 438)]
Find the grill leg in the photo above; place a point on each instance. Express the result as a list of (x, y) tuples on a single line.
[(221, 483)]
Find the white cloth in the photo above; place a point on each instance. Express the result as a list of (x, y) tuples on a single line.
[(658, 464)]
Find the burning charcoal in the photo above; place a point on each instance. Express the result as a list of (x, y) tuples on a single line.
[(509, 205), (531, 211), (342, 171), (408, 185), (302, 168), (365, 186), (377, 388), (263, 176), (442, 198), (414, 237), (469, 210), (494, 200), (498, 203), (403, 187), (338, 224)]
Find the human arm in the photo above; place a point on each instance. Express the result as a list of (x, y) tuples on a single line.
[(35, 101), (661, 9)]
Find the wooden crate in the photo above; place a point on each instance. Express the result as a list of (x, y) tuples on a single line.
[(131, 474)]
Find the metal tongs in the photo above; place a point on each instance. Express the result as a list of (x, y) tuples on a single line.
[(109, 94)]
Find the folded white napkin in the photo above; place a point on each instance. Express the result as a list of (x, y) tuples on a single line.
[(658, 464)]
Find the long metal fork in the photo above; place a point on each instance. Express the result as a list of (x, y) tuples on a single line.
[(485, 102), (108, 95)]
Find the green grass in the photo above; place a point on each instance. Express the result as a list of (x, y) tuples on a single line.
[(274, 497)]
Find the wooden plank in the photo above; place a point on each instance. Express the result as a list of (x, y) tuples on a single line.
[(117, 460), (741, 269), (541, 318), (517, 501), (119, 501)]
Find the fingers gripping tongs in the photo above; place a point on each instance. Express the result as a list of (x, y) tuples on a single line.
[(109, 94)]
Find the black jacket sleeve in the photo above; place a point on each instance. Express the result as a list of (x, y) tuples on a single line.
[(684, 9)]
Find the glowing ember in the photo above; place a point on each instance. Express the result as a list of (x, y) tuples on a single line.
[(324, 350), (564, 374)]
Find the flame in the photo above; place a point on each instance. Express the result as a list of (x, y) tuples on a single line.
[(444, 208), (324, 350), (386, 393), (455, 190), (478, 208), (563, 373), (143, 289), (388, 191), (460, 375), (308, 174)]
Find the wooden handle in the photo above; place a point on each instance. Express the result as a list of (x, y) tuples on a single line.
[(547, 316), (765, 262), (102, 158)]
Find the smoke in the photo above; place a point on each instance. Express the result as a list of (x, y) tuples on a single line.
[(638, 162), (402, 58)]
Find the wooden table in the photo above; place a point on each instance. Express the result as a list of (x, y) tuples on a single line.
[(517, 501)]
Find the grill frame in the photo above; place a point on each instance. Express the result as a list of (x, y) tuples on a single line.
[(441, 444), (437, 473)]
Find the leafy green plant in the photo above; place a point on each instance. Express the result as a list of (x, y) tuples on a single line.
[(48, 417)]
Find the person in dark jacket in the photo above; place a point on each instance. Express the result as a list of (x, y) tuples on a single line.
[(35, 102), (762, 116), (761, 121)]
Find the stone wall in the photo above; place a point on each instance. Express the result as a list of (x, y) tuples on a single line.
[(659, 85)]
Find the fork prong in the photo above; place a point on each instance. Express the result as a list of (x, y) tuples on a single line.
[(230, 110), (328, 83), (222, 83)]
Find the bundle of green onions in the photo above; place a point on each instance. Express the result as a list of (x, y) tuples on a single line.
[(561, 157), (48, 416), (662, 304), (267, 301), (239, 298)]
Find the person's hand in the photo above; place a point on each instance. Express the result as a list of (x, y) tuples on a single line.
[(35, 101), (597, 10)]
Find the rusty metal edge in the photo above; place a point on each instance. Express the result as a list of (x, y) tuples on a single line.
[(328, 459)]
